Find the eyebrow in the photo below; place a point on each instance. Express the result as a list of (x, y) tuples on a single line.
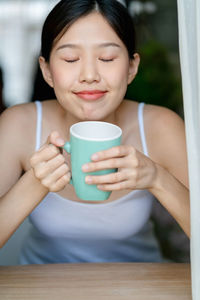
[(74, 46)]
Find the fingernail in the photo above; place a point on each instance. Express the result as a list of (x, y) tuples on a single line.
[(85, 168), (60, 141), (88, 179), (95, 156)]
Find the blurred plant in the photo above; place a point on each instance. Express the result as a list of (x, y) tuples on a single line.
[(137, 7), (141, 11), (156, 82)]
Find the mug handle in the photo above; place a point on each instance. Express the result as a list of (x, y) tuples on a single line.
[(67, 148)]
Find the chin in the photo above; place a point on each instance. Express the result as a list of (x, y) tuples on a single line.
[(96, 117), (93, 116), (92, 119)]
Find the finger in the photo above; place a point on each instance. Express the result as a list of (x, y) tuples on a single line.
[(42, 170), (114, 187), (55, 139), (118, 151), (56, 162), (60, 183), (56, 175), (46, 153), (105, 179), (59, 172), (113, 163)]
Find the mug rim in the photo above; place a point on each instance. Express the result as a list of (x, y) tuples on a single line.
[(95, 139)]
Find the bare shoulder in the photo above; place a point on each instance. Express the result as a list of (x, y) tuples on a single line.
[(22, 118), (157, 116), (19, 110), (17, 127), (157, 119), (166, 141), (162, 125), (18, 118), (16, 135)]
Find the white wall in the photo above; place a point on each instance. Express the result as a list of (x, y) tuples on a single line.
[(20, 30)]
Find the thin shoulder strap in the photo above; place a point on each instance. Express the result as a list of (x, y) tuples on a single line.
[(141, 127), (38, 125)]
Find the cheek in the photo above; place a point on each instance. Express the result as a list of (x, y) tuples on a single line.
[(57, 77), (60, 77), (118, 76)]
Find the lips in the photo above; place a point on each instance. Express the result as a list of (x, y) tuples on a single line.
[(91, 94)]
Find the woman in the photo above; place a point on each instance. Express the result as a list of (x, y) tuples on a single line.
[(88, 57)]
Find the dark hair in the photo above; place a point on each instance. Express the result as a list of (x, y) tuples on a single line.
[(66, 12), (1, 78)]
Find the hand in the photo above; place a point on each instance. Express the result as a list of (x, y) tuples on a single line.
[(135, 170), (49, 164)]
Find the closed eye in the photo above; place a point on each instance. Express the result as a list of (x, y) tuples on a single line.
[(106, 60), (71, 60)]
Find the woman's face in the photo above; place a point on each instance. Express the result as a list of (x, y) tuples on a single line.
[(89, 69)]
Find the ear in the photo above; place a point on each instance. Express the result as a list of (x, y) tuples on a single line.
[(44, 66), (133, 67)]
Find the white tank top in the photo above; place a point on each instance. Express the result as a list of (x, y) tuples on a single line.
[(65, 231)]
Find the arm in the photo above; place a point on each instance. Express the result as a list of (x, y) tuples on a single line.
[(164, 173), (174, 196), (170, 155), (19, 195)]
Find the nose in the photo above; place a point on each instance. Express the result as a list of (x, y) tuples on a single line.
[(89, 72)]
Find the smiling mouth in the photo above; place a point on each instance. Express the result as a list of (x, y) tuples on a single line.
[(90, 95)]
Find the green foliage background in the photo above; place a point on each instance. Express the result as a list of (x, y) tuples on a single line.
[(156, 82)]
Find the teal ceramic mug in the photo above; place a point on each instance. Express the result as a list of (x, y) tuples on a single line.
[(87, 138)]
